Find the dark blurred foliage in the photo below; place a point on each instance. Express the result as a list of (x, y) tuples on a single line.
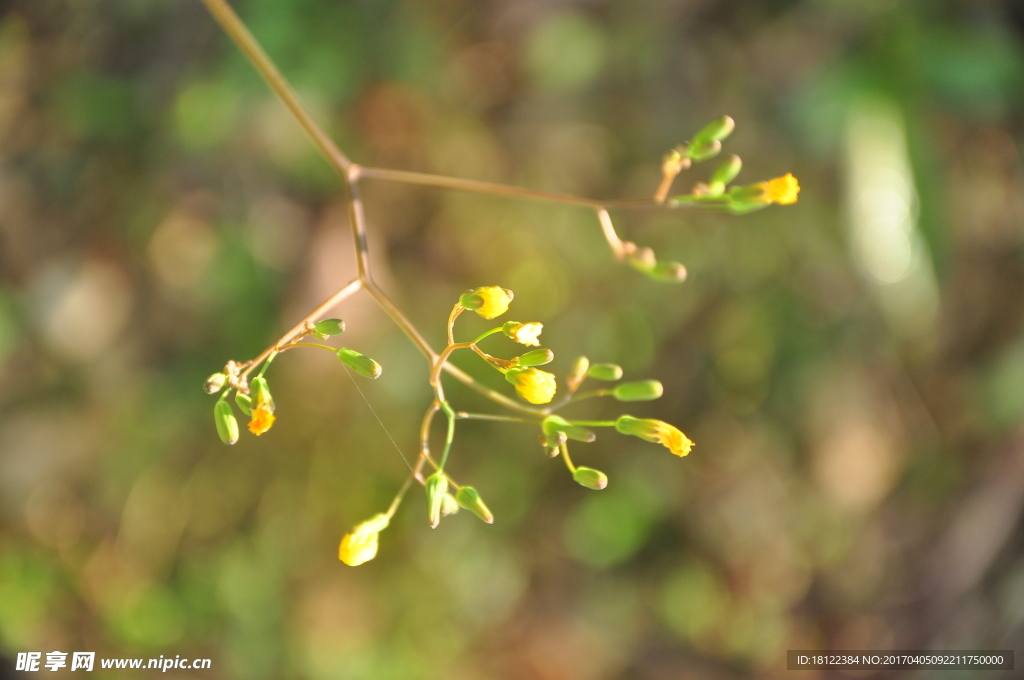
[(850, 367)]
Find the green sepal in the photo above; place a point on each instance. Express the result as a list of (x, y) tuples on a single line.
[(607, 372), (726, 171), (328, 327), (244, 403), (553, 424), (259, 390), (469, 498), (227, 425), (704, 151), (641, 390), (590, 478), (537, 357), (360, 363), (437, 487), (715, 131)]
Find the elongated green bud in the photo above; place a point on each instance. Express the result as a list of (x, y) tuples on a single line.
[(609, 372), (704, 151), (437, 487), (327, 327), (537, 357), (469, 498), (215, 383), (244, 402), (578, 373), (360, 363), (716, 130), (727, 171), (553, 424), (227, 425), (449, 506), (671, 272), (641, 390), (590, 478)]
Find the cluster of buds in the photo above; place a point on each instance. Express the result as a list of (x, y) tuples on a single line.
[(253, 398), (537, 387), (716, 192)]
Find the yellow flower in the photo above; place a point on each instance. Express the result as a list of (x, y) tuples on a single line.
[(524, 333), (781, 190), (656, 431), (533, 385), (360, 545), (262, 420), (488, 301)]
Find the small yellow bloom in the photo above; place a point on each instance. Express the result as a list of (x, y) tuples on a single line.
[(360, 545), (526, 333), (533, 385), (782, 190), (488, 301), (262, 420), (656, 431), (673, 439)]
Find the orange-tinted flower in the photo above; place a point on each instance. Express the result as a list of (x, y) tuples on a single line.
[(262, 420)]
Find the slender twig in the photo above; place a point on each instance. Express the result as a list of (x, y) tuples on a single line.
[(234, 27), (463, 415), (303, 326)]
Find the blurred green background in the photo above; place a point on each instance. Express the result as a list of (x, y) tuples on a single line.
[(851, 368)]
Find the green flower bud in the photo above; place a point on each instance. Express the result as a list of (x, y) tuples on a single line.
[(716, 130), (227, 426), (244, 402), (360, 363), (553, 424), (327, 327), (469, 498), (590, 478), (553, 441), (215, 383), (449, 506), (537, 357), (259, 390), (704, 150), (671, 272), (609, 372), (641, 390), (437, 487), (727, 171), (578, 372)]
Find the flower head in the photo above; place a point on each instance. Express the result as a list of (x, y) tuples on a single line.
[(487, 301), (262, 417), (782, 190), (360, 544), (524, 333), (533, 385), (261, 421), (656, 431)]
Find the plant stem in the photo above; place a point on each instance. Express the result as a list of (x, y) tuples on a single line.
[(237, 31), (593, 423), (567, 459), (463, 415), (299, 329)]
